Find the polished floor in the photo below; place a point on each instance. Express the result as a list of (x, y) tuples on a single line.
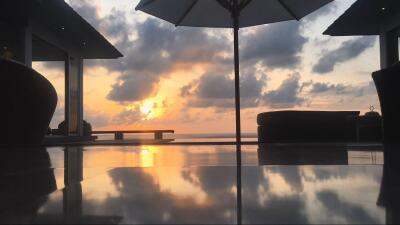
[(280, 184)]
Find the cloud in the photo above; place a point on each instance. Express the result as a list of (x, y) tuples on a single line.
[(151, 50), (136, 88), (144, 201), (96, 119), (342, 89), (212, 86), (128, 116), (154, 54), (350, 212), (87, 9), (213, 90), (275, 46), (339, 89), (348, 50), (322, 87), (331, 8), (287, 95)]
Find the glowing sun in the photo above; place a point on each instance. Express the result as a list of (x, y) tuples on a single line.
[(147, 109)]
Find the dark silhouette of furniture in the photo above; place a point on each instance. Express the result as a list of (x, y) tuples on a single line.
[(307, 126), (60, 136), (62, 129), (119, 134), (28, 101), (369, 127), (387, 83)]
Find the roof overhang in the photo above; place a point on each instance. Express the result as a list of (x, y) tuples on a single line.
[(367, 17), (56, 19)]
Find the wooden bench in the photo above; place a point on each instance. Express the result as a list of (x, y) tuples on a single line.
[(119, 134)]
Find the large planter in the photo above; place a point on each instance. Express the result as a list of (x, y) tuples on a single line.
[(387, 83), (28, 101)]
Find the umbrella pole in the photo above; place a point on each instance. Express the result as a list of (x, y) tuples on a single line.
[(237, 84), (235, 15), (238, 128)]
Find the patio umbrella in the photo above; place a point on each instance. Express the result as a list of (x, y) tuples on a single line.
[(229, 14)]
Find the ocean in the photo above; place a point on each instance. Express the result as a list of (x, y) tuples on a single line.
[(227, 137)]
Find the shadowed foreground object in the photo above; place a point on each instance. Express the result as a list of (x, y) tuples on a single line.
[(387, 83), (28, 101), (26, 180), (389, 195), (307, 126)]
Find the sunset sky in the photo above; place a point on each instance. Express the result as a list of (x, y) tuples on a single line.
[(182, 78)]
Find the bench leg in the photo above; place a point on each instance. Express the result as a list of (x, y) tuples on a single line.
[(119, 136), (158, 136)]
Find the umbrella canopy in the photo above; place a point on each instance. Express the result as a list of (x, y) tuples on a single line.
[(367, 17), (218, 13)]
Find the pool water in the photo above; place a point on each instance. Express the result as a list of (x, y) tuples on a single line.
[(197, 185)]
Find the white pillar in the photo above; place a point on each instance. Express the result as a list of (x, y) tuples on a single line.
[(74, 95)]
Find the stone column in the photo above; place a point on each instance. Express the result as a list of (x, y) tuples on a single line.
[(74, 95)]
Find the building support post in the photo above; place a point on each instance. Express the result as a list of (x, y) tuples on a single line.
[(389, 48), (23, 51), (74, 96)]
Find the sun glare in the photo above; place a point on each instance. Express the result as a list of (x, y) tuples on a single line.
[(147, 109)]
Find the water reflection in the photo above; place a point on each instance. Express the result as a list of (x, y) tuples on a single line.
[(284, 188), (389, 196), (302, 154), (26, 180), (207, 195)]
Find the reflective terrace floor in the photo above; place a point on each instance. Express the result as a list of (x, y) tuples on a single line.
[(294, 184)]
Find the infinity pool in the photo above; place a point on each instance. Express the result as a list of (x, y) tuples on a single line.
[(193, 185)]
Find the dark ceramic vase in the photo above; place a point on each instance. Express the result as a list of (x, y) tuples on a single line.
[(387, 82), (28, 101)]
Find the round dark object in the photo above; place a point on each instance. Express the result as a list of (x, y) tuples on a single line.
[(28, 103)]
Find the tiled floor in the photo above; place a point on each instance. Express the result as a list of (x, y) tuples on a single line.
[(196, 185)]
